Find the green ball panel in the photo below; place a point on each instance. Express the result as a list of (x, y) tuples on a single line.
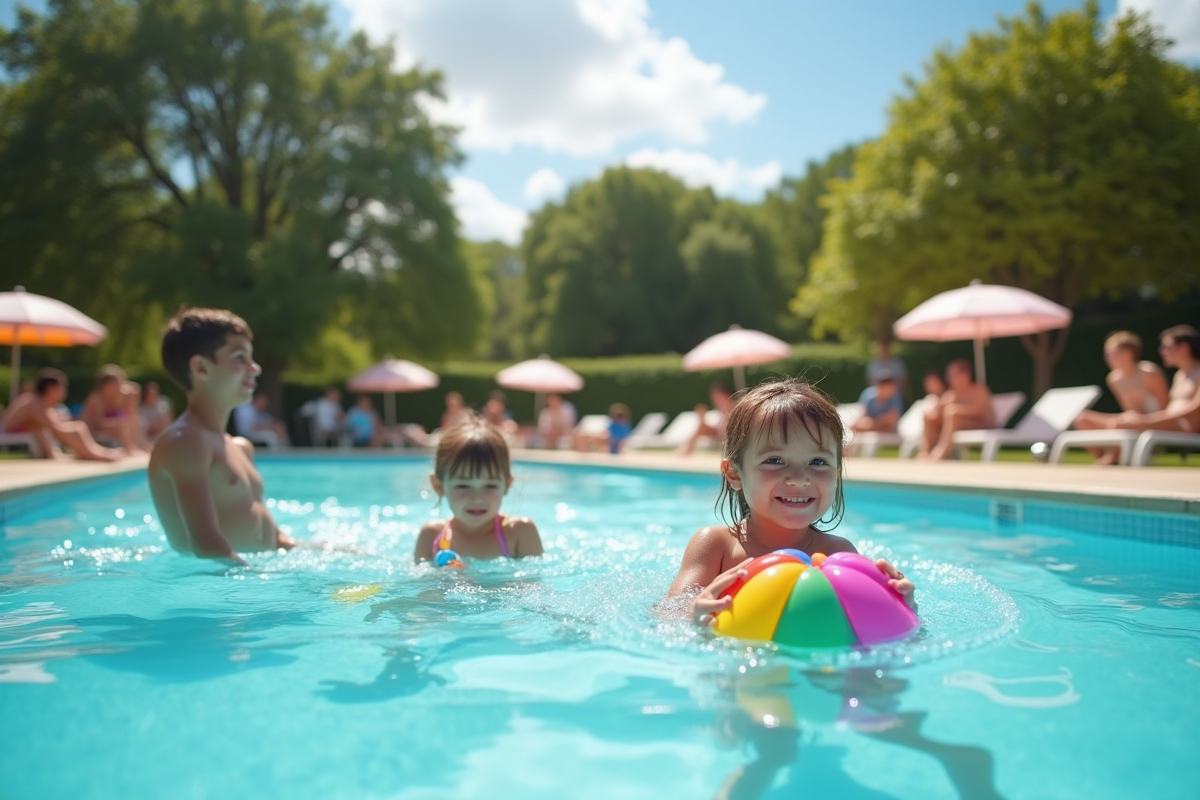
[(813, 616)]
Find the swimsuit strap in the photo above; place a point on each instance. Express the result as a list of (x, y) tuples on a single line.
[(442, 540), (500, 536)]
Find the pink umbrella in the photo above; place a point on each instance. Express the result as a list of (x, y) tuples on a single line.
[(736, 348), (540, 375), (981, 312), (390, 376), (31, 319)]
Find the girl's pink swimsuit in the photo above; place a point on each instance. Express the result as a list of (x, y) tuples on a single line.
[(445, 534)]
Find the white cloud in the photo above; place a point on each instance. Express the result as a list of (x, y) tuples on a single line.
[(728, 177), (482, 215), (577, 76), (1179, 19), (544, 185)]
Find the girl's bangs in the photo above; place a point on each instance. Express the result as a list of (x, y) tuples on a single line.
[(477, 457)]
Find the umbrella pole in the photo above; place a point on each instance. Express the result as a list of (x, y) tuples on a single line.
[(389, 409), (739, 377), (14, 384), (980, 366)]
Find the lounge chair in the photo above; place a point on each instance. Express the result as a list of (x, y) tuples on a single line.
[(850, 414), (1143, 451), (1052, 414), (909, 429), (593, 425), (25, 440), (680, 431), (646, 430), (1004, 405), (1136, 448)]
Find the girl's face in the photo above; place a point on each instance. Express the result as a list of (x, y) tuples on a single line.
[(474, 501), (792, 483)]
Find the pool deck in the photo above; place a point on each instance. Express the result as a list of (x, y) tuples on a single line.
[(1173, 490)]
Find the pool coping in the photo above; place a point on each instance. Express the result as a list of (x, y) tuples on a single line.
[(1170, 490)]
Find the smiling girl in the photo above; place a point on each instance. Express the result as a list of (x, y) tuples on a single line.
[(472, 472), (781, 475)]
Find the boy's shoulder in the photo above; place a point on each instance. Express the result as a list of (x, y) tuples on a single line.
[(183, 442)]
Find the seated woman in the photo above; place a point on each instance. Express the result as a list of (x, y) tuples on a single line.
[(154, 412), (1138, 386), (36, 412), (111, 410)]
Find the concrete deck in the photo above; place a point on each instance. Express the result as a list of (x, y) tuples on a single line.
[(1163, 489)]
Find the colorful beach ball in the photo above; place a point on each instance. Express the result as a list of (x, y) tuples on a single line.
[(823, 601)]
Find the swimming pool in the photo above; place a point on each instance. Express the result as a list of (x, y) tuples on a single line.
[(1053, 663)]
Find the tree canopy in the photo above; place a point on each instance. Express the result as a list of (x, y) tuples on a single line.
[(636, 262), (232, 153), (1057, 154)]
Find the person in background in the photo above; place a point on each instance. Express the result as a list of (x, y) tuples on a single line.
[(455, 411), (362, 420), (722, 400), (882, 403), (496, 412), (253, 417), (966, 405), (884, 361), (1180, 348), (154, 413), (934, 385), (556, 421), (36, 412), (111, 410), (327, 417), (620, 427), (1138, 386)]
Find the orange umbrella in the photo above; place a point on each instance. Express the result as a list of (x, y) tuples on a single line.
[(31, 319)]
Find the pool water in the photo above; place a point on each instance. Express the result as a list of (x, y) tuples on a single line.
[(1050, 664)]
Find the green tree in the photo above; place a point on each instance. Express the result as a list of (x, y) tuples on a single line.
[(796, 216), (232, 153), (500, 273), (1058, 154), (635, 262)]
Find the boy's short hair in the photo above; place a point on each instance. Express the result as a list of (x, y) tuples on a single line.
[(1127, 340), (1185, 334), (197, 332), (49, 377)]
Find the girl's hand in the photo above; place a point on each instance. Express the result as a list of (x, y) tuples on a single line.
[(897, 581), (707, 605)]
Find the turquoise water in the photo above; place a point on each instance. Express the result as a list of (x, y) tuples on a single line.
[(1051, 664)]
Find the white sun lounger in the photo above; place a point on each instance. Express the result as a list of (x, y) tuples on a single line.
[(1143, 450), (909, 429), (1136, 448), (26, 440), (647, 429), (1052, 414), (1004, 405)]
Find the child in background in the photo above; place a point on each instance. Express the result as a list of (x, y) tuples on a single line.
[(781, 473), (473, 471), (205, 486), (620, 427)]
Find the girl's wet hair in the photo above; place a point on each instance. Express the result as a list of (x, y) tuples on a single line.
[(785, 406), (470, 448)]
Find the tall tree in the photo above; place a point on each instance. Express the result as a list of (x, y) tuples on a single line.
[(233, 153), (635, 262), (1059, 154), (796, 214)]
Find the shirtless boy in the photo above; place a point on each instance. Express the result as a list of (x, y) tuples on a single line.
[(206, 488), (36, 412), (966, 405), (1136, 385)]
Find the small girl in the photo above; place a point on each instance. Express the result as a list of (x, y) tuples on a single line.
[(781, 473), (472, 472)]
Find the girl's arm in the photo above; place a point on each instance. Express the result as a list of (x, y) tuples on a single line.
[(424, 549), (701, 569)]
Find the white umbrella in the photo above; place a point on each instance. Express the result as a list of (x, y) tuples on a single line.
[(981, 312), (736, 348), (390, 376), (31, 319)]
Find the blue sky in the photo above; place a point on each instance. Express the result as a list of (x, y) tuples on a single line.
[(550, 92)]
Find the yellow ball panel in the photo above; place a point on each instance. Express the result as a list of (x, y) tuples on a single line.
[(757, 605)]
